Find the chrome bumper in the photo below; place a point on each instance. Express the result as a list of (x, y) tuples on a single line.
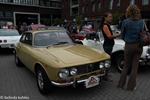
[(146, 60), (74, 82)]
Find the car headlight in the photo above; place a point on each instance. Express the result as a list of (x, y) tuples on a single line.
[(64, 73), (107, 63), (73, 71), (101, 65)]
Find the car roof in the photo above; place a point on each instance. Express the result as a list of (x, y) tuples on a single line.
[(51, 27), (38, 31)]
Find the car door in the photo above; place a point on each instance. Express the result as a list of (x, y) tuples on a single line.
[(94, 40), (25, 50)]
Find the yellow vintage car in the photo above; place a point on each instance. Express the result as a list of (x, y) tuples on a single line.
[(57, 60)]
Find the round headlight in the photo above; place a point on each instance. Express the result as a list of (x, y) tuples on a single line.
[(64, 73), (107, 63), (73, 71), (101, 65)]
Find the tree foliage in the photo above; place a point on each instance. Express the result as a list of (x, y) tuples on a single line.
[(116, 17), (78, 19), (57, 21)]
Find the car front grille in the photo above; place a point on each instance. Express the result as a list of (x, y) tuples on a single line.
[(87, 68)]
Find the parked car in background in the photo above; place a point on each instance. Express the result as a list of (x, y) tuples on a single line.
[(96, 41), (50, 28), (56, 59), (35, 26), (82, 34), (8, 37), (115, 29)]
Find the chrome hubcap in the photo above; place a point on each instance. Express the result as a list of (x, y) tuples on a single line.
[(16, 58), (40, 80), (121, 65)]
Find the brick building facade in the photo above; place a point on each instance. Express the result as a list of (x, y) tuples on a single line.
[(92, 10)]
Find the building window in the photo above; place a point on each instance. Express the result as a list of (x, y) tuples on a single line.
[(1, 14), (145, 2), (22, 1), (99, 6), (5, 0), (93, 8), (8, 14), (82, 9), (132, 2), (62, 5), (29, 2), (118, 4), (42, 3), (111, 4), (36, 2), (74, 2), (16, 1), (87, 9), (48, 3), (74, 11)]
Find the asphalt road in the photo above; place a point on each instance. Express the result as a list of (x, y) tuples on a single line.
[(18, 83)]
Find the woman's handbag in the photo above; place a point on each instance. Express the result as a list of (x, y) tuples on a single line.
[(144, 36)]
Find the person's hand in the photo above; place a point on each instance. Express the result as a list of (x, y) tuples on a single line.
[(116, 35)]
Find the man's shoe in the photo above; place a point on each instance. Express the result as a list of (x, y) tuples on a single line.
[(119, 87)]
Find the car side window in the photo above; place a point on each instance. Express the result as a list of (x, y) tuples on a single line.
[(92, 36), (26, 38)]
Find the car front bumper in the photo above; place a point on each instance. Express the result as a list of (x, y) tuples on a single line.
[(146, 60), (6, 45), (75, 81)]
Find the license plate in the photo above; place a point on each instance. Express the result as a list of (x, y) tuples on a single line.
[(4, 45), (92, 81)]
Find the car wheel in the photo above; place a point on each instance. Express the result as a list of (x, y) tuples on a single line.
[(43, 81), (17, 60), (120, 62)]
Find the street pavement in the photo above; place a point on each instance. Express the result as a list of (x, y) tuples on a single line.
[(18, 83)]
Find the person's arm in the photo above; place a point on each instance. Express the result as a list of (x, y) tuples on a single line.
[(123, 30), (108, 34)]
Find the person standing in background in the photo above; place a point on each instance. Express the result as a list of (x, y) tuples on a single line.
[(130, 33), (108, 37)]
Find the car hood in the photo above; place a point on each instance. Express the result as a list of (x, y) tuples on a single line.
[(74, 54), (119, 41)]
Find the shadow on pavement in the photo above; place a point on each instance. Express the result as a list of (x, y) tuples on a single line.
[(4, 51)]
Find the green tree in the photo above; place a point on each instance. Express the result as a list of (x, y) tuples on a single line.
[(78, 19), (57, 21), (45, 21), (116, 17)]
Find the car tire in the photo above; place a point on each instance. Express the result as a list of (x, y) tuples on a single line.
[(120, 62), (17, 60), (43, 82)]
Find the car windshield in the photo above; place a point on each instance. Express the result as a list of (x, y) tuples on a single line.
[(50, 28), (8, 32), (52, 38), (86, 31)]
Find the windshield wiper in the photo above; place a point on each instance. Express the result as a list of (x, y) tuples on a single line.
[(60, 42)]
